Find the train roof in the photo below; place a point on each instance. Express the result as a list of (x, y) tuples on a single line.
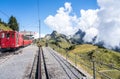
[(8, 31)]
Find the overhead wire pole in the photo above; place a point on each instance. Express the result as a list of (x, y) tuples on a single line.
[(39, 30), (39, 20)]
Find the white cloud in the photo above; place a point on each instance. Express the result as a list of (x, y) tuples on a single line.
[(104, 22), (90, 34), (88, 19), (62, 21), (67, 9), (36, 35), (109, 22), (42, 35)]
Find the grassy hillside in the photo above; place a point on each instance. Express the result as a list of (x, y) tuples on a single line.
[(2, 27), (105, 59)]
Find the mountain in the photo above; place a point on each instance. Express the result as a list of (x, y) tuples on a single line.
[(58, 39), (64, 41), (77, 38), (47, 36), (54, 34)]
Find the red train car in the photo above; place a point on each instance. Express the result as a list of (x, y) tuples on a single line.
[(27, 40), (12, 40)]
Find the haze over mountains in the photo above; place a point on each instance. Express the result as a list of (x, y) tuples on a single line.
[(77, 38)]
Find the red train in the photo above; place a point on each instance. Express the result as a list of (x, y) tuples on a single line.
[(13, 40)]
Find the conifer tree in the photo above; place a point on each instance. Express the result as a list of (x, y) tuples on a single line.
[(13, 23)]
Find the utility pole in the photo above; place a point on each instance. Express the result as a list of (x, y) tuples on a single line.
[(39, 20), (66, 53), (93, 61), (92, 57), (75, 59), (39, 30)]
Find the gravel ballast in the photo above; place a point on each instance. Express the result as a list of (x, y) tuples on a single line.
[(19, 65)]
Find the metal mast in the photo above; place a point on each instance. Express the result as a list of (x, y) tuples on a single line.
[(39, 19)]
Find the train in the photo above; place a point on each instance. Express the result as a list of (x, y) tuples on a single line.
[(13, 40)]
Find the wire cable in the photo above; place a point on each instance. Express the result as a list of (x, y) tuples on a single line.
[(4, 13)]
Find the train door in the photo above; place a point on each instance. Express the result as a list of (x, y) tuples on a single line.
[(7, 37), (17, 39), (12, 39), (20, 40)]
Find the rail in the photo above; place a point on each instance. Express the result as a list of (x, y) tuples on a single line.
[(39, 64), (46, 72), (39, 74)]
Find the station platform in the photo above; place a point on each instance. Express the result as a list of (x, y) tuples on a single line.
[(18, 66)]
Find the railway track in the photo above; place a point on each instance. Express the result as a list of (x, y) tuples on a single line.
[(56, 67), (70, 70), (42, 72)]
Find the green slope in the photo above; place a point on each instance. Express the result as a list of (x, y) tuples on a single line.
[(102, 56), (105, 60), (2, 27)]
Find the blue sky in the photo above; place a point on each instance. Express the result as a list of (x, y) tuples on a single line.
[(27, 14)]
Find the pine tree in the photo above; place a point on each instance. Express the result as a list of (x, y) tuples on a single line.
[(13, 23), (0, 20)]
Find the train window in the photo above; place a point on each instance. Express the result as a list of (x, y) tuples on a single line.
[(3, 35), (7, 35)]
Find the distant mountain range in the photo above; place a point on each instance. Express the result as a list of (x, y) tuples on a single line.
[(58, 39), (77, 38), (56, 36)]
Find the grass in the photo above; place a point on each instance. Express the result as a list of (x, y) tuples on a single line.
[(114, 74), (109, 57), (83, 48), (2, 27)]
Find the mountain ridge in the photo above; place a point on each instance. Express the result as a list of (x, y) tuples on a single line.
[(76, 39)]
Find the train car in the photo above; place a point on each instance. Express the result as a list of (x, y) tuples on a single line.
[(27, 40), (11, 39)]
